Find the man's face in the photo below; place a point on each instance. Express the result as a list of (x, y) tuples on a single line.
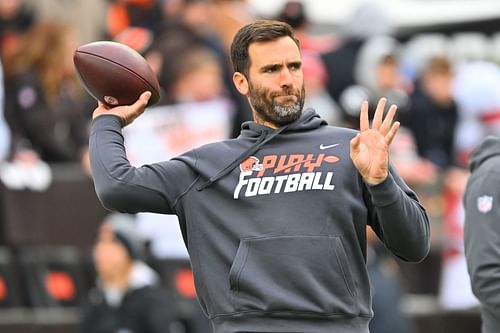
[(275, 81)]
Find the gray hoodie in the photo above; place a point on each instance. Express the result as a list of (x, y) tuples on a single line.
[(274, 222), (482, 230)]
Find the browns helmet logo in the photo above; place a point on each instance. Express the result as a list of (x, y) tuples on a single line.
[(251, 164)]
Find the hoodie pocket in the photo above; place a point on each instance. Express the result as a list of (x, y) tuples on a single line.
[(306, 274)]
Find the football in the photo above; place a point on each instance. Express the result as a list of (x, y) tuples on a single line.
[(114, 73)]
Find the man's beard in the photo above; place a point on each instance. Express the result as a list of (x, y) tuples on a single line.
[(265, 104)]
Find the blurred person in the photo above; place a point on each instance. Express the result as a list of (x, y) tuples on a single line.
[(376, 74), (266, 225), (198, 77), (193, 24), (228, 17), (368, 19), (15, 18), (482, 230), (190, 28), (127, 297), (44, 100), (123, 14), (294, 13), (315, 78), (433, 116)]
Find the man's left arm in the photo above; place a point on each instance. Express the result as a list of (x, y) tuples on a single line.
[(398, 218)]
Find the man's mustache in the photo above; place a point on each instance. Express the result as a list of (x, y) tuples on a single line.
[(286, 92)]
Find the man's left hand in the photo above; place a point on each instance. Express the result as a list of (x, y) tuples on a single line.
[(370, 147)]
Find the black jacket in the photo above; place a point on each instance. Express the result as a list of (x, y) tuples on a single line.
[(142, 308), (274, 222), (57, 131)]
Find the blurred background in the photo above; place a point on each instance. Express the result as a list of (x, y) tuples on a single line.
[(437, 60)]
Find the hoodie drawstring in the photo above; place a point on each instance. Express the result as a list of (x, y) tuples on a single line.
[(262, 140)]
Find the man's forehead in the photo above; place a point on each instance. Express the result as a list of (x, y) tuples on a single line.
[(277, 51)]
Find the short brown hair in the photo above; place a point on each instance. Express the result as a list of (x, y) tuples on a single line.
[(258, 31)]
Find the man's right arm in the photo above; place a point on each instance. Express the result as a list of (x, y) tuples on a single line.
[(125, 188)]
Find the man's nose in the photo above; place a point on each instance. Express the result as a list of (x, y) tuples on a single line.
[(286, 79)]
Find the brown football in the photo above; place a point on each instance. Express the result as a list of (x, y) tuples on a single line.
[(114, 73)]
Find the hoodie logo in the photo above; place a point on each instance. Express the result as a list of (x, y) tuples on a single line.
[(323, 147), (484, 203), (284, 174)]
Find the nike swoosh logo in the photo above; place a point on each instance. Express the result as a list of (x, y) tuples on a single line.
[(323, 147)]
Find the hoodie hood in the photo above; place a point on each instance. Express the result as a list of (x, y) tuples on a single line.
[(488, 148), (307, 121)]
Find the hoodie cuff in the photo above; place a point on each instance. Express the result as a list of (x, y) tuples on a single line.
[(385, 193), (105, 122)]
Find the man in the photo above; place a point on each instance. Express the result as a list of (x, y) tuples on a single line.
[(274, 220), (127, 298), (482, 230)]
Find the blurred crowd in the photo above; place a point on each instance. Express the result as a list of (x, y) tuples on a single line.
[(447, 88)]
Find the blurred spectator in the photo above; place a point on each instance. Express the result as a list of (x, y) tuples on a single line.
[(188, 29), (317, 97), (376, 75), (122, 14), (368, 19), (189, 25), (295, 15), (433, 118), (45, 105), (127, 298), (15, 18), (433, 113), (198, 77), (228, 17)]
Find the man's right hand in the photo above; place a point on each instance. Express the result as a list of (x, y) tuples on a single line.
[(127, 113)]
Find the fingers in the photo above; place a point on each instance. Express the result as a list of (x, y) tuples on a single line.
[(392, 133), (386, 124), (379, 113), (364, 123)]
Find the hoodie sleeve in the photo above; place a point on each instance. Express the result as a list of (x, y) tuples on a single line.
[(398, 219), (125, 188), (482, 237)]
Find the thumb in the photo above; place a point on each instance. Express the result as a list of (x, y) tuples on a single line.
[(135, 110), (144, 98)]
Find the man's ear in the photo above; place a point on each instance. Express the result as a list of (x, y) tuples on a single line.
[(241, 83)]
